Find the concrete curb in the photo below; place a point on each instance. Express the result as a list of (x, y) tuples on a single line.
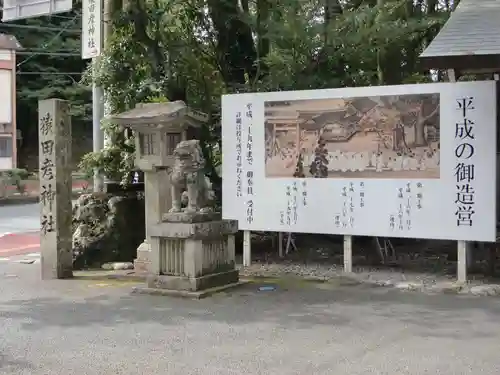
[(108, 275), (443, 287), (295, 280), (28, 199), (186, 293), (439, 287)]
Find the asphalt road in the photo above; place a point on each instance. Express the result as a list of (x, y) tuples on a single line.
[(19, 230), (19, 218), (98, 327)]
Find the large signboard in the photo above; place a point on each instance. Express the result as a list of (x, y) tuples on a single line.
[(416, 161), (91, 28), (19, 9)]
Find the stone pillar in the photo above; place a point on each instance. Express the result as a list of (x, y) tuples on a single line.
[(54, 136), (158, 201)]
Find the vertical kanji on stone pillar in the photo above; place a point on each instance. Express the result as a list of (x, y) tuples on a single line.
[(54, 136)]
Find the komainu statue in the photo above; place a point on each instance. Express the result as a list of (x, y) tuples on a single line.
[(187, 174)]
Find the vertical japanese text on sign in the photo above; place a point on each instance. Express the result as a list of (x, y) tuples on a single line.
[(464, 169), (239, 160), (290, 215), (361, 194), (47, 174), (249, 160), (408, 206), (91, 24), (420, 196), (288, 205), (346, 218), (304, 193)]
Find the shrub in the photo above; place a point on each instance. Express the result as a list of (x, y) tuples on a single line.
[(15, 177)]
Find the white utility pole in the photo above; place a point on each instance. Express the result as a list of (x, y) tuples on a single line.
[(97, 132), (92, 46), (100, 109)]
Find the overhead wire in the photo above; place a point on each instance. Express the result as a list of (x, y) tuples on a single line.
[(40, 28), (63, 17), (51, 73), (50, 42), (40, 53)]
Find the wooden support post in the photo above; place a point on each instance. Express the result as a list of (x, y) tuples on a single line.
[(463, 247), (247, 249), (280, 244), (347, 253)]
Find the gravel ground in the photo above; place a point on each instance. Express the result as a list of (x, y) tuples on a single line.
[(420, 265), (404, 280), (98, 327), (325, 272)]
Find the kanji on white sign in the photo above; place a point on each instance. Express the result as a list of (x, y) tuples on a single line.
[(91, 28)]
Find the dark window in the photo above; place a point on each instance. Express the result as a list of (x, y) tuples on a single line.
[(5, 147), (147, 144), (173, 139)]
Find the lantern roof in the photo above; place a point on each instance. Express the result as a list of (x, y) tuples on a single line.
[(160, 116)]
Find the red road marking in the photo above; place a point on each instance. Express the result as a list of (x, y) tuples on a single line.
[(19, 243), (32, 186), (18, 250)]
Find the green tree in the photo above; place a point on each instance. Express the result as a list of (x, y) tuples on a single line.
[(50, 66), (196, 51)]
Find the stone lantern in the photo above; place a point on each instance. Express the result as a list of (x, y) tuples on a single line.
[(159, 128)]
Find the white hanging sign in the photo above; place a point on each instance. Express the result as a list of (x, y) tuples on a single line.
[(14, 10), (91, 28)]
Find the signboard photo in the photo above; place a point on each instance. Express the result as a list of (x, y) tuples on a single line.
[(415, 161)]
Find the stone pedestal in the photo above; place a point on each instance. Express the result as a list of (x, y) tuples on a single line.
[(142, 263), (158, 201), (192, 256)]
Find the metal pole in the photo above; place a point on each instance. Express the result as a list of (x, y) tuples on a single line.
[(97, 133), (108, 10), (98, 110)]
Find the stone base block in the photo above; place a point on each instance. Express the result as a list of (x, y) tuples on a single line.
[(143, 261), (142, 266), (197, 230), (187, 293), (192, 256), (144, 251), (193, 284), (144, 256), (197, 217)]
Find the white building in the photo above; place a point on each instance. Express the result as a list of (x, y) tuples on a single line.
[(8, 128)]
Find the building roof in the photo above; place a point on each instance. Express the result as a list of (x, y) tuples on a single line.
[(363, 104), (329, 117), (159, 115), (9, 42), (470, 39)]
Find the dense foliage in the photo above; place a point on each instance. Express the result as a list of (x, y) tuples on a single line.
[(197, 50), (46, 69)]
